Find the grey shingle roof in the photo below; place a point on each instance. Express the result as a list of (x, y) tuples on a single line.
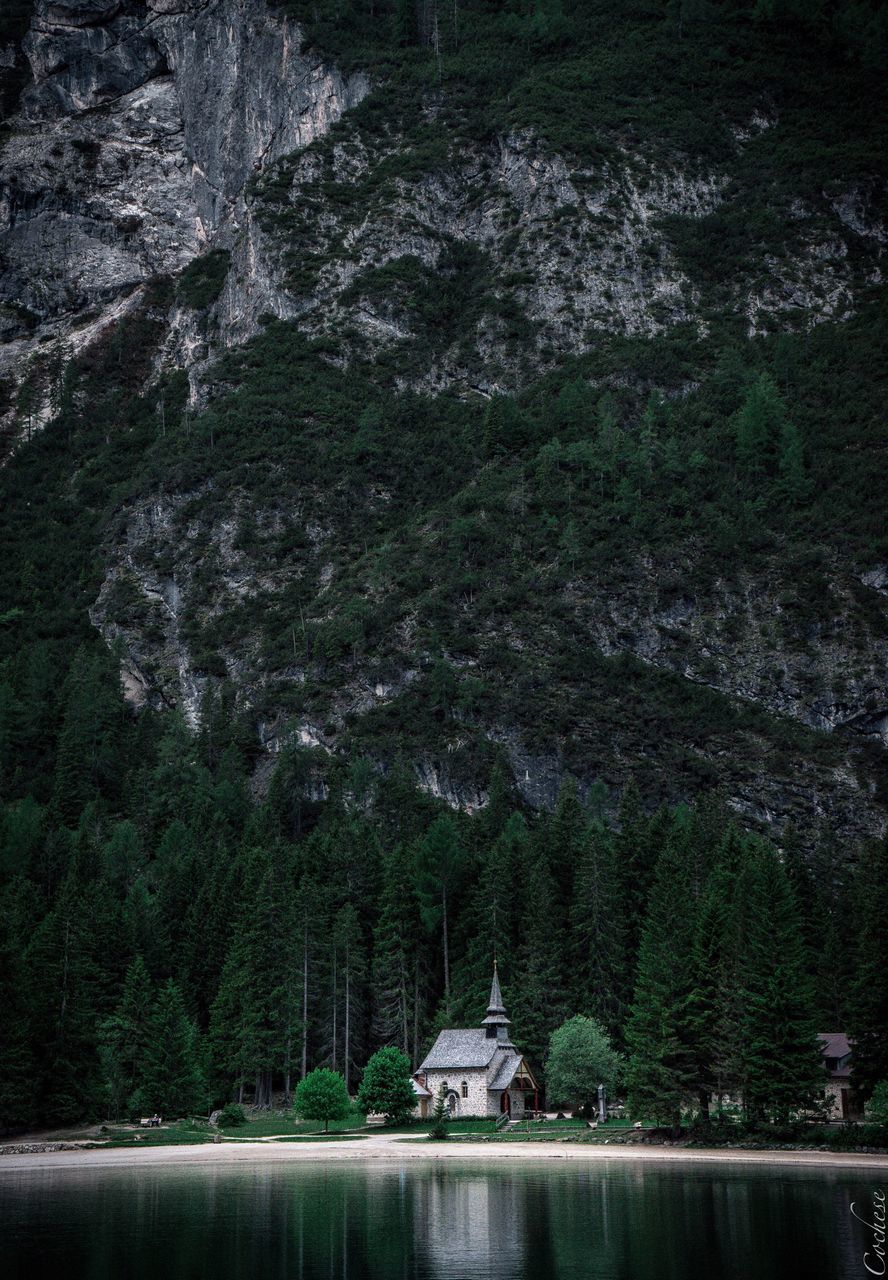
[(469, 1048), (505, 1071)]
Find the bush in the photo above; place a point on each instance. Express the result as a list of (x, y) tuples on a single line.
[(232, 1116), (877, 1107)]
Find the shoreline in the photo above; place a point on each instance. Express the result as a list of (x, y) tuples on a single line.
[(392, 1150)]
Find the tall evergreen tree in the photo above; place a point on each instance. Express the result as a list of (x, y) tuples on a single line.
[(660, 1035), (396, 958), (759, 423), (782, 1062), (124, 1038), (597, 932), (868, 1021), (439, 863), (540, 981), (172, 1081)]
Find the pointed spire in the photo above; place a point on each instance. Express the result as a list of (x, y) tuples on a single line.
[(496, 1022), (496, 1000)]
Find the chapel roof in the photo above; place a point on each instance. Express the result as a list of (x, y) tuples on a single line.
[(457, 1048), (506, 1071)]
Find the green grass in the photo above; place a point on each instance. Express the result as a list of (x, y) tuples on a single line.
[(324, 1137), (287, 1125), (186, 1132)]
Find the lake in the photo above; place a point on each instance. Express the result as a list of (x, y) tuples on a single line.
[(627, 1221)]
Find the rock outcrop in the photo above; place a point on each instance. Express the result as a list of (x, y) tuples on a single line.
[(131, 151)]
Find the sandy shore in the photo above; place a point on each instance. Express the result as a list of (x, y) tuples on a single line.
[(391, 1149)]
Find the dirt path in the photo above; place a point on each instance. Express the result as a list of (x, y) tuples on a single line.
[(391, 1148)]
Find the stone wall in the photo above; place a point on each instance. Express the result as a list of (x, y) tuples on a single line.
[(478, 1102)]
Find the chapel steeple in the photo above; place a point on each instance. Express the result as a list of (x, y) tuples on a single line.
[(496, 1023)]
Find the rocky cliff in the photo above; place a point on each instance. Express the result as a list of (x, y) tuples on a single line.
[(454, 261), (130, 153)]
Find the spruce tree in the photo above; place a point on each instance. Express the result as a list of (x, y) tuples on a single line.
[(172, 1080), (759, 424), (124, 1038), (64, 991), (662, 1071), (540, 987), (782, 1062), (597, 931), (439, 863), (491, 922), (396, 957), (868, 1020)]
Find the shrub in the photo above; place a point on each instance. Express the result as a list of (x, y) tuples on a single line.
[(877, 1107), (232, 1116)]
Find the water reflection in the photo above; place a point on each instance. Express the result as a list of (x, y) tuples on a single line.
[(442, 1221)]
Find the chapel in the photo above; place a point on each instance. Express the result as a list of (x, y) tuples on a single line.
[(479, 1069)]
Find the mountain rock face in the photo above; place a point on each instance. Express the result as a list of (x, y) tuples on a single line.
[(153, 133), (131, 150)]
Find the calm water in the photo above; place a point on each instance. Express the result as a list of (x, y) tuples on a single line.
[(538, 1222)]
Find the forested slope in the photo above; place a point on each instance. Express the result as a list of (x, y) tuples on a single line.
[(469, 404)]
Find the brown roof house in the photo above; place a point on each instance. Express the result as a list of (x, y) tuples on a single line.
[(839, 1089), (479, 1070)]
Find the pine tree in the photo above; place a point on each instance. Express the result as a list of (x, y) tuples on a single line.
[(868, 1021), (759, 425), (540, 976), (597, 931), (396, 953), (348, 989), (782, 1062), (88, 750), (490, 924), (565, 833), (793, 484), (124, 1037), (660, 1033), (439, 863), (172, 1079), (714, 1009), (64, 993), (18, 1096)]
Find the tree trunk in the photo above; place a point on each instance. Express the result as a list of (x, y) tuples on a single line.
[(446, 952), (335, 999), (304, 1062), (347, 1037)]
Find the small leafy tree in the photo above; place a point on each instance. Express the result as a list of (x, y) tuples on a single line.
[(580, 1058), (440, 1118), (877, 1107), (322, 1095), (386, 1088)]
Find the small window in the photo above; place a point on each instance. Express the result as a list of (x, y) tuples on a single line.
[(465, 1088)]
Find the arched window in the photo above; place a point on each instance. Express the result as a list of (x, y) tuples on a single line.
[(465, 1088)]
